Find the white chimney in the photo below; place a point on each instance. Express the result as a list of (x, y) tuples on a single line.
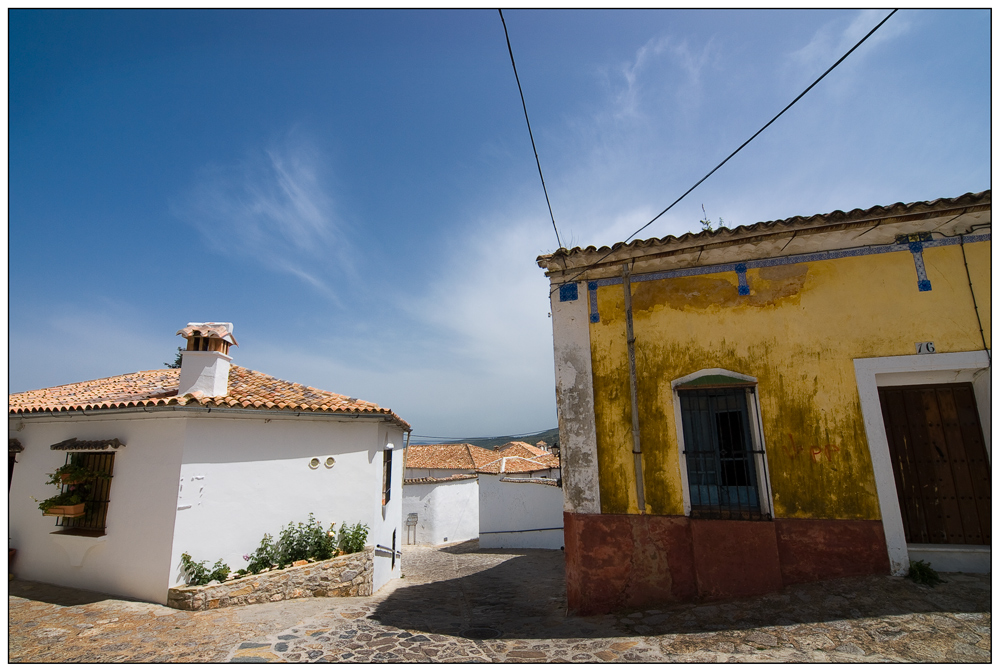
[(205, 363)]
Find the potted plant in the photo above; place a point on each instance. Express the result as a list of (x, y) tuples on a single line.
[(71, 474), (69, 504)]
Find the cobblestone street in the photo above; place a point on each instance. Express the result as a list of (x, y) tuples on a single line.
[(461, 604)]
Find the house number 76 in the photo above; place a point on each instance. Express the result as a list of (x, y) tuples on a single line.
[(925, 348)]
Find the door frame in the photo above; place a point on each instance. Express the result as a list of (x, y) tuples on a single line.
[(874, 372)]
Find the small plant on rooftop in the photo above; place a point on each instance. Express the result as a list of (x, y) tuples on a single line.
[(921, 572)]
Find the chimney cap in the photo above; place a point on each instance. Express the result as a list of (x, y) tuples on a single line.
[(223, 330)]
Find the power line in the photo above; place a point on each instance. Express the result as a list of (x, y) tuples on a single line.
[(480, 438), (537, 162), (736, 151)]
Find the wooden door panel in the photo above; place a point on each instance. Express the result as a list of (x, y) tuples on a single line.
[(939, 463)]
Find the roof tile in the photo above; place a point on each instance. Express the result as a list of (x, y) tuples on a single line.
[(247, 388)]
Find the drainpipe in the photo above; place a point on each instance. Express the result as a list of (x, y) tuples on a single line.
[(630, 341)]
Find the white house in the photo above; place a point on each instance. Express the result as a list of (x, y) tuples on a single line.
[(203, 460), (457, 492)]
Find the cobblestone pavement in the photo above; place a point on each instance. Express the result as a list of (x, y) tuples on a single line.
[(460, 603)]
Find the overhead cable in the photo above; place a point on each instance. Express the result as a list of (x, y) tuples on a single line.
[(736, 151), (523, 105)]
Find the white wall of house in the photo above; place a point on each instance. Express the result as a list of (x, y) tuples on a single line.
[(207, 484), (242, 477), (133, 558), (519, 515), (446, 512)]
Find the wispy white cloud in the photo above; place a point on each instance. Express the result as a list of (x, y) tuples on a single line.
[(640, 75), (833, 39), (275, 209)]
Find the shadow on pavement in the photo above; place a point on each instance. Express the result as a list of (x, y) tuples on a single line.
[(61, 595), (525, 597)]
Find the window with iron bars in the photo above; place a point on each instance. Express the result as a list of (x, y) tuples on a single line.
[(98, 494), (725, 469)]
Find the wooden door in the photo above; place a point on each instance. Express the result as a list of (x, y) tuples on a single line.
[(939, 461)]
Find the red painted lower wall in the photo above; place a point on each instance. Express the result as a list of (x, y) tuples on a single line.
[(616, 562)]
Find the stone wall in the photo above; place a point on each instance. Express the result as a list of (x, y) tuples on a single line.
[(345, 576)]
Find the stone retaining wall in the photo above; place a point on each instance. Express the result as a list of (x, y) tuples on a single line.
[(345, 576)]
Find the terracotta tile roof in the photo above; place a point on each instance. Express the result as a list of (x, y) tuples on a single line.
[(247, 389), (523, 449), (439, 479), (442, 456), (514, 465), (223, 330), (515, 458), (837, 218), (539, 481), (75, 444)]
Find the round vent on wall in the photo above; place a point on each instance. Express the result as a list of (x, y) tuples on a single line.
[(314, 463), (330, 462)]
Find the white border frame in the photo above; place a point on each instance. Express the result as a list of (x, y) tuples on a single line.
[(874, 372), (756, 436)]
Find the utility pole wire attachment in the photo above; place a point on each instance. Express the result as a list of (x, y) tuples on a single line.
[(537, 162)]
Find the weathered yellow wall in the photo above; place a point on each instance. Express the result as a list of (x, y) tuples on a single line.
[(798, 333)]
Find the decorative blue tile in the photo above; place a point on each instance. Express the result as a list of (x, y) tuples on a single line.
[(568, 292), (914, 243), (595, 316)]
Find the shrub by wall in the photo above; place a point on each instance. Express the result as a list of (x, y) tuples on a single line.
[(344, 576)]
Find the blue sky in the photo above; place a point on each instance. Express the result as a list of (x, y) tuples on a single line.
[(356, 190)]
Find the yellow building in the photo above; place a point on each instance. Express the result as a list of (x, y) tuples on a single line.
[(795, 400)]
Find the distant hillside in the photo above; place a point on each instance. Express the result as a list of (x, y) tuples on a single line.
[(549, 436)]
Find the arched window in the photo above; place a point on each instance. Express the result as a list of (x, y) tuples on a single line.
[(722, 448)]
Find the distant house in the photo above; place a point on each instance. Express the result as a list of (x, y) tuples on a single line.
[(452, 493), (203, 460), (746, 409)]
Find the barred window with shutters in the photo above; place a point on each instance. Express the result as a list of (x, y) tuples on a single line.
[(97, 497), (724, 469)]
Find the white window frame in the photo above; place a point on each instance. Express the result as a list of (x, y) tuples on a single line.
[(756, 437)]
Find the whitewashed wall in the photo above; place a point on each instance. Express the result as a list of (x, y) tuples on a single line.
[(209, 485), (446, 512), (133, 559), (243, 477), (512, 509)]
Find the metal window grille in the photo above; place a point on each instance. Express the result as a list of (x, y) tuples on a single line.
[(386, 475), (98, 492), (719, 450)]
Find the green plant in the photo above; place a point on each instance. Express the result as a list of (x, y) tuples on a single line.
[(921, 572), (68, 498), (263, 558), (302, 541), (352, 538), (72, 473), (198, 574)]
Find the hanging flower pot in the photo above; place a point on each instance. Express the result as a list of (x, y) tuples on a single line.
[(66, 510)]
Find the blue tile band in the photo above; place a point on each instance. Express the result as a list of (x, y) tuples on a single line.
[(592, 291), (568, 292), (923, 284), (741, 280)]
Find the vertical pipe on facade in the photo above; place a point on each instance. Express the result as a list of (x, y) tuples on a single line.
[(630, 341)]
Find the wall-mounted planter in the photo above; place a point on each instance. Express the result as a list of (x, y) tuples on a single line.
[(343, 576), (66, 511)]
